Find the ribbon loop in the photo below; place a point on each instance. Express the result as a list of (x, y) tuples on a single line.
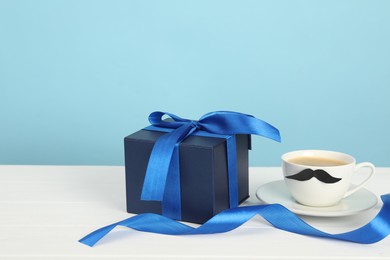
[(156, 119), (225, 122)]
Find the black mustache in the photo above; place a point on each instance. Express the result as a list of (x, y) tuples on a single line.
[(320, 175)]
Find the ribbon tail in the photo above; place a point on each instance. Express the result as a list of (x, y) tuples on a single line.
[(94, 237), (159, 162), (171, 203), (375, 230), (227, 220)]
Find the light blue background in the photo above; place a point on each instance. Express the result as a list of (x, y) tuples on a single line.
[(76, 77)]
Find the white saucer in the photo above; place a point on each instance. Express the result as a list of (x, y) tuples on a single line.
[(276, 192)]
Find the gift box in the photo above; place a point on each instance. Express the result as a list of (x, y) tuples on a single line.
[(204, 172)]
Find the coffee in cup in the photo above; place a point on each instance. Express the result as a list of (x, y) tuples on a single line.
[(320, 178)]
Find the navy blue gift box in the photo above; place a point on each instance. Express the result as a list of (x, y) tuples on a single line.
[(211, 165)]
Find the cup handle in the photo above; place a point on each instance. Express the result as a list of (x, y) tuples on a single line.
[(357, 167)]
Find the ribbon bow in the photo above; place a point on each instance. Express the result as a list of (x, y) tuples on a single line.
[(162, 181)]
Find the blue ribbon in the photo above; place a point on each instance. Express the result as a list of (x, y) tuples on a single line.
[(162, 178), (227, 220)]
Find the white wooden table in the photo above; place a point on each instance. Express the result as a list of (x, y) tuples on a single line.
[(45, 210)]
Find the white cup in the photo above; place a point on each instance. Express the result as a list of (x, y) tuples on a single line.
[(320, 186)]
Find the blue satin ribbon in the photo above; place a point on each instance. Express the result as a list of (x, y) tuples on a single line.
[(162, 178), (277, 215)]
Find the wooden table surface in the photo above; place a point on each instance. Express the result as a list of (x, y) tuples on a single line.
[(45, 210)]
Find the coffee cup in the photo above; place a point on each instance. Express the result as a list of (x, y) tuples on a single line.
[(320, 178)]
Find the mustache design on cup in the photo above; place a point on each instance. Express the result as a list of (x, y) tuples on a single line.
[(320, 175)]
